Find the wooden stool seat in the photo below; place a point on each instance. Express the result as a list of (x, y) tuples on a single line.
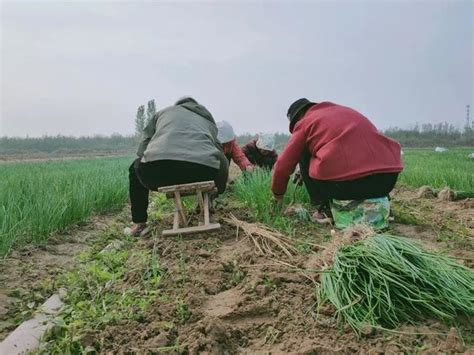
[(180, 223)]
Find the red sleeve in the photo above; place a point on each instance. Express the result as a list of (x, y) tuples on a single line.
[(239, 157), (287, 161), (226, 148)]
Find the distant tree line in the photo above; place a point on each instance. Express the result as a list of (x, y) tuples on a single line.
[(429, 135), (63, 145), (425, 135)]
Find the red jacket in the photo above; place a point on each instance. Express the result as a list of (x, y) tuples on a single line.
[(233, 151), (344, 145)]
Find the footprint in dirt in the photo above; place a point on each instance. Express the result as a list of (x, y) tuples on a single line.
[(223, 304)]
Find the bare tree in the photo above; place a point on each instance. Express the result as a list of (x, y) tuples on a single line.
[(151, 110)]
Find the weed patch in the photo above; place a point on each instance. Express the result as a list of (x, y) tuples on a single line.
[(97, 297)]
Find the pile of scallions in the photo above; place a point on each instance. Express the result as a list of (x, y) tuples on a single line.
[(382, 281)]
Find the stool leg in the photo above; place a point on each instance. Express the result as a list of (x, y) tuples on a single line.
[(176, 218), (179, 206), (201, 203), (206, 209)]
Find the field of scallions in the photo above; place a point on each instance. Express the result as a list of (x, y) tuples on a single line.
[(40, 198), (452, 168)]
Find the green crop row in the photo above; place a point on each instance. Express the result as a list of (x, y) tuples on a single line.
[(452, 168), (37, 199)]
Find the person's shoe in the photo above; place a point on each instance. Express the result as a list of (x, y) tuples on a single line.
[(137, 230), (321, 218)]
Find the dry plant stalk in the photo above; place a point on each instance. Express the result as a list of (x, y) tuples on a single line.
[(264, 239), (350, 235)]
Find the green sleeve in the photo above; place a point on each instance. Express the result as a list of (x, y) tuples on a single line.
[(217, 144)]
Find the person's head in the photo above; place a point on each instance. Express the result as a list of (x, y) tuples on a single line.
[(297, 110), (184, 100), (225, 132), (265, 143)]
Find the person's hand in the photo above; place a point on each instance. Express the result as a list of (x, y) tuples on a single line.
[(250, 168)]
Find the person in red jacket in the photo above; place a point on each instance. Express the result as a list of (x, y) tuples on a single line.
[(232, 150), (341, 155)]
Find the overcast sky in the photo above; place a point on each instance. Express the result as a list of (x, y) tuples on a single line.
[(82, 68)]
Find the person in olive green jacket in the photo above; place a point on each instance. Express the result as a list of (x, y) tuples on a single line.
[(179, 146)]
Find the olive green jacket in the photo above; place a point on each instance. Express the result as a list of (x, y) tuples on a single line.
[(185, 132)]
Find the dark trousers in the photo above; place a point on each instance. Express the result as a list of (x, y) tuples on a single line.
[(144, 177), (321, 191)]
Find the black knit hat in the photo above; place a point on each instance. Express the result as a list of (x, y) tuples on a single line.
[(185, 99), (295, 108)]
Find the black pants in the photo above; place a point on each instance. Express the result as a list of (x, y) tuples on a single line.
[(321, 191), (150, 176)]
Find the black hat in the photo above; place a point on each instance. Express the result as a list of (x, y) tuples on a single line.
[(184, 100), (295, 108)]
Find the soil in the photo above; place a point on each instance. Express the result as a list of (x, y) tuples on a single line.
[(238, 301), (270, 310), (27, 275), (453, 215)]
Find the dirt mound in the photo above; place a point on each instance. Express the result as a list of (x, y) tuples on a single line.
[(468, 203), (223, 303), (425, 192), (447, 194)]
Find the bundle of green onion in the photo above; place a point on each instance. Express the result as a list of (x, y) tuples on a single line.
[(383, 280)]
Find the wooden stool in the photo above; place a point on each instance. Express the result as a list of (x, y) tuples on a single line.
[(202, 190)]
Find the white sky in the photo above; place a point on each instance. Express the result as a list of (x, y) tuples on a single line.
[(82, 68)]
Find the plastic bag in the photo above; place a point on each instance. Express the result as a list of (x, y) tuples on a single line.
[(373, 211)]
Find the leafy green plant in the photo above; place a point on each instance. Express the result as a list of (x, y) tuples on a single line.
[(237, 276), (236, 273), (96, 297), (182, 310), (268, 282)]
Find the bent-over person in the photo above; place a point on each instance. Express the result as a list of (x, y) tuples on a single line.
[(261, 151), (232, 150), (341, 155), (179, 146)]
